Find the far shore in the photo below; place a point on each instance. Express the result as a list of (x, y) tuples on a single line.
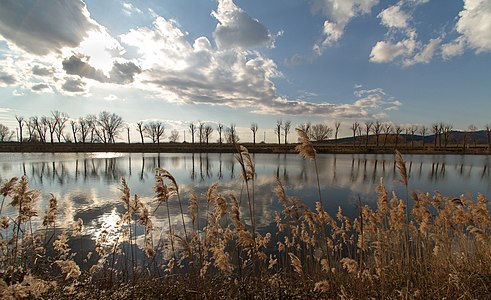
[(342, 148)]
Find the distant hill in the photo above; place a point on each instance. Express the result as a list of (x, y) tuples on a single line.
[(456, 137)]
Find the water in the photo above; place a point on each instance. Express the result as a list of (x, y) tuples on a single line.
[(87, 184)]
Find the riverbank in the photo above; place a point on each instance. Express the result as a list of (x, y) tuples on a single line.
[(230, 148)]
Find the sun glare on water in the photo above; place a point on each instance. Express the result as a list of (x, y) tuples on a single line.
[(102, 155)]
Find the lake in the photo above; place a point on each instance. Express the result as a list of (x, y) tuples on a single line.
[(87, 185)]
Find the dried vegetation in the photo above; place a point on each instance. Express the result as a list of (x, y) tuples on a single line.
[(440, 248)]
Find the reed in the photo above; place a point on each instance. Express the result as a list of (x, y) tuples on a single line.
[(309, 254)]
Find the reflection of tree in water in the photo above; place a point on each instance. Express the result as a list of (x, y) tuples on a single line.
[(193, 171), (49, 172), (230, 165), (220, 174)]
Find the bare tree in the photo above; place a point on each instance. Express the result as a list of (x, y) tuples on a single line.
[(174, 136), (154, 130), (423, 130), (398, 130), (359, 131), (20, 121), (473, 128), (128, 133), (140, 129), (447, 131), (41, 127), (5, 133), (220, 131), (354, 128), (84, 129), (436, 131), (368, 128), (254, 129), (286, 129), (201, 132), (31, 129), (413, 130), (231, 134), (387, 130), (61, 119), (377, 129), (320, 132), (75, 129), (207, 131), (111, 125), (192, 129), (337, 124), (277, 130)]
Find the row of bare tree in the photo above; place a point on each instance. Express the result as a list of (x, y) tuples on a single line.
[(107, 127), (102, 128)]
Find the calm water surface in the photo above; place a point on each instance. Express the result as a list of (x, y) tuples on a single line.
[(87, 185)]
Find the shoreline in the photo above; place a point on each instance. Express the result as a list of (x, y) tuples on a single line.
[(324, 148)]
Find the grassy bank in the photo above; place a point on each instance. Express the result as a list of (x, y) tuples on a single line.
[(412, 246), (344, 148)]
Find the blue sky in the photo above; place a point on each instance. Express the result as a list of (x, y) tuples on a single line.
[(243, 61)]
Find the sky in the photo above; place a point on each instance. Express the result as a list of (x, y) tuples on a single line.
[(243, 61)]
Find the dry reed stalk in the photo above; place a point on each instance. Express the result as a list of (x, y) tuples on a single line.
[(248, 173), (162, 173), (306, 150)]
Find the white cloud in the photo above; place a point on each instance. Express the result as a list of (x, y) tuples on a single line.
[(426, 54), (339, 13), (41, 28), (384, 51), (475, 25), (129, 9), (454, 48), (394, 17), (236, 29), (197, 73)]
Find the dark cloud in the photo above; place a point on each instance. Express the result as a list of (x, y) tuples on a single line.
[(42, 71), (7, 79), (76, 66), (124, 73), (42, 27), (40, 87), (121, 72), (73, 85), (236, 29)]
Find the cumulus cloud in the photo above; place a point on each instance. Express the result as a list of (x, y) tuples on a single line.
[(41, 87), (7, 79), (78, 65), (474, 25), (339, 13), (121, 72), (394, 17), (74, 85), (369, 105), (236, 29), (386, 51), (42, 71), (454, 48), (42, 27), (409, 50), (194, 72)]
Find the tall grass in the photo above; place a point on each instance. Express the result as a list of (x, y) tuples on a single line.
[(438, 248)]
